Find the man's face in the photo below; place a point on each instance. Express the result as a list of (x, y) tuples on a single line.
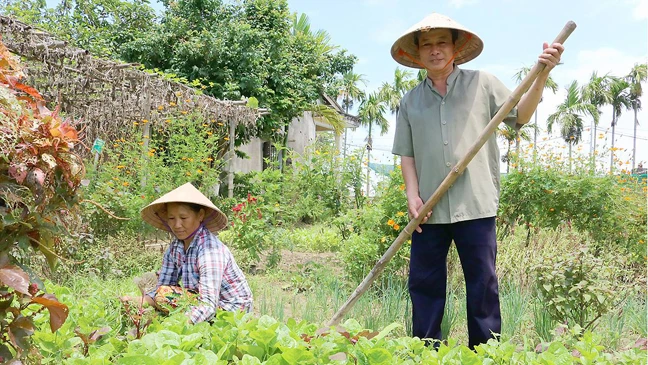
[(436, 49)]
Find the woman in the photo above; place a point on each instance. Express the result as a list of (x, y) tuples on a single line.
[(196, 256)]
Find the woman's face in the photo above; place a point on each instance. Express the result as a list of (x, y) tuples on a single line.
[(183, 220)]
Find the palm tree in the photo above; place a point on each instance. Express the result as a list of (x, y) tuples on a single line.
[(349, 93), (393, 93), (637, 75), (301, 25), (372, 111), (551, 85), (570, 117), (511, 135), (597, 93), (619, 99)]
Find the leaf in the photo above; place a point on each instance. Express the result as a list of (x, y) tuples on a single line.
[(379, 356), (15, 278), (29, 90), (5, 354), (386, 331), (297, 356), (340, 356), (19, 331), (58, 311)]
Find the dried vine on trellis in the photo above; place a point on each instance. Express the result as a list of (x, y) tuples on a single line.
[(107, 97)]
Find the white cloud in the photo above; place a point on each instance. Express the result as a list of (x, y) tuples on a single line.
[(461, 3), (640, 10)]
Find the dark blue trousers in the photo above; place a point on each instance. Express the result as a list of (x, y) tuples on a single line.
[(477, 247)]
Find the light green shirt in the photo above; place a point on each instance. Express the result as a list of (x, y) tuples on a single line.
[(438, 131)]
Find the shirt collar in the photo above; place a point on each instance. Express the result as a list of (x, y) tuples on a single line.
[(451, 78)]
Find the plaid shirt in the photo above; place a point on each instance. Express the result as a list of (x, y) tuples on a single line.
[(209, 269)]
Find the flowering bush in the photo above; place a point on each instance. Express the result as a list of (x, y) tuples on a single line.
[(131, 177), (249, 232)]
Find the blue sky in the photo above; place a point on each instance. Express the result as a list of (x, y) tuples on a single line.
[(612, 36)]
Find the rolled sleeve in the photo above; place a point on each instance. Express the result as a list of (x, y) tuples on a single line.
[(498, 96), (403, 145)]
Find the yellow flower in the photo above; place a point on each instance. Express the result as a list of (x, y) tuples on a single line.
[(190, 159), (151, 154), (398, 167), (168, 120), (627, 198), (115, 145), (121, 166), (641, 242), (125, 183), (209, 133), (140, 143), (205, 125), (184, 112), (220, 124), (172, 104), (396, 227), (135, 123), (400, 214), (188, 173), (226, 138), (402, 187), (383, 239), (199, 171), (160, 107), (391, 222), (145, 121), (551, 209)]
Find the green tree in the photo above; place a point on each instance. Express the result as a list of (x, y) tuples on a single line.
[(597, 93), (241, 49), (636, 77), (349, 92), (372, 111), (569, 115), (392, 93), (511, 135), (619, 99), (100, 26), (551, 85)]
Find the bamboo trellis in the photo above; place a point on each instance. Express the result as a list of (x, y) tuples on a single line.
[(105, 97)]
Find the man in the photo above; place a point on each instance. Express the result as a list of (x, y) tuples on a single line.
[(437, 123)]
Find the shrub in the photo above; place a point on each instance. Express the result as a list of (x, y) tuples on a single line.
[(608, 208), (576, 288)]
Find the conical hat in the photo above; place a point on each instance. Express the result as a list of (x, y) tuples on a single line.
[(467, 47), (215, 220)]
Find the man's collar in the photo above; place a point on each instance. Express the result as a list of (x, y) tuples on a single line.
[(449, 81)]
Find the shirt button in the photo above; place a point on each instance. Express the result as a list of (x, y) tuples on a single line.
[(443, 122), (443, 103), (448, 164), (445, 143)]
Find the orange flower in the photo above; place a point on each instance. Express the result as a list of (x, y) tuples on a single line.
[(125, 183), (391, 222), (396, 227)]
